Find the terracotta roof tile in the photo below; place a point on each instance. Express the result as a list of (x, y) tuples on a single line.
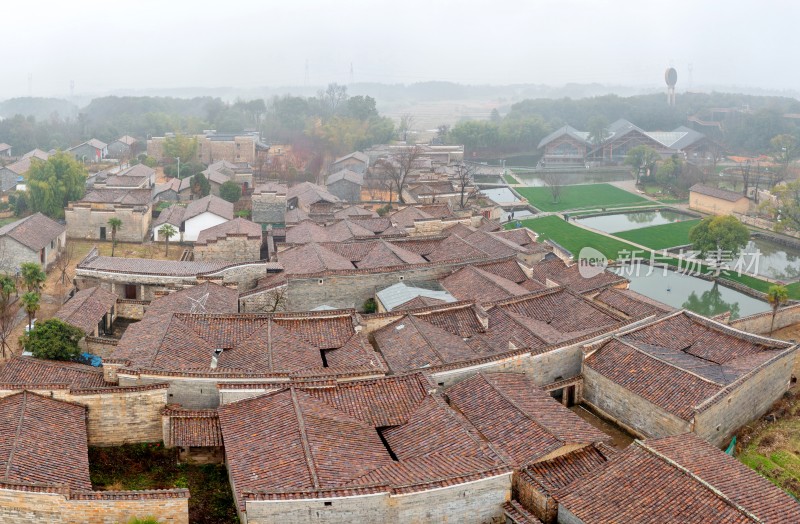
[(87, 308), (207, 297), (237, 226), (194, 428), (28, 370), (631, 303), (473, 283), (556, 473)]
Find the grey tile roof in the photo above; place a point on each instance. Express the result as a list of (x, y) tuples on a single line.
[(212, 204), (34, 232), (722, 194)]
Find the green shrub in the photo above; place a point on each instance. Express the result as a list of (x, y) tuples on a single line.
[(53, 339)]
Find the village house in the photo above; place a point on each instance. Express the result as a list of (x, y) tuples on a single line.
[(123, 147), (176, 189), (90, 151), (11, 174), (5, 150), (92, 310), (223, 171), (36, 239), (717, 201), (269, 204), (88, 218), (685, 373), (356, 161), (238, 240), (138, 176), (346, 185), (213, 147), (198, 215)]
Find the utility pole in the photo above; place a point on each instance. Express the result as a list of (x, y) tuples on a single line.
[(179, 165)]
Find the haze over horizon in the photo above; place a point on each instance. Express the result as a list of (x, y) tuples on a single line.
[(249, 44)]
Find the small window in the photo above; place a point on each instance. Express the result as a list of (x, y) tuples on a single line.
[(402, 278), (328, 503), (320, 281)]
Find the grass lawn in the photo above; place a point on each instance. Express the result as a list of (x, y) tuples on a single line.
[(573, 237), (772, 448), (126, 249), (510, 179), (150, 466), (661, 236), (590, 196)]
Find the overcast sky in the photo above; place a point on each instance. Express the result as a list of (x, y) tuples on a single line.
[(108, 45)]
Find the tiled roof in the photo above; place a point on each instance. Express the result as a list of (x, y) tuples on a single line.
[(358, 155), (472, 283), (461, 321), (237, 226), (455, 248), (308, 193), (123, 181), (516, 514), (28, 370), (406, 216), (135, 197), (569, 276), (522, 236), (87, 308), (172, 215), (34, 232), (348, 175), (347, 230), (677, 479), (138, 170), (401, 295), (519, 418), (4, 146), (419, 301), (722, 194), (43, 441), (508, 269), (261, 344), (631, 303), (126, 139), (386, 254), (194, 427), (355, 211), (412, 343), (147, 266), (305, 232), (681, 361), (312, 258), (96, 143), (212, 204), (556, 473), (207, 297)]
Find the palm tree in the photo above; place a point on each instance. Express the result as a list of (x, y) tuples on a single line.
[(33, 276), (167, 231), (776, 296), (116, 224), (30, 302)]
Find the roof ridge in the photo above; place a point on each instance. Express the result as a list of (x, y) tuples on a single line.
[(424, 337), (304, 438), (17, 434), (704, 379), (688, 472)]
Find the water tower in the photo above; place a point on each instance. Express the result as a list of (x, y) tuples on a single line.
[(671, 77)]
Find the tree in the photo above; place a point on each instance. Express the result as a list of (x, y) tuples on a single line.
[(64, 262), (465, 183), (598, 130), (54, 339), (230, 191), (787, 208), (405, 125), (167, 231), (8, 314), (777, 295), (553, 182), (784, 150), (33, 276), (200, 186), (642, 159), (55, 182), (30, 301), (115, 224), (180, 146), (718, 235), (398, 167)]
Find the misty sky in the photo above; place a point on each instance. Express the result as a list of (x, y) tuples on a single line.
[(106, 45)]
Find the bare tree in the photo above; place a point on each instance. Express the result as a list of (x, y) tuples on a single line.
[(277, 299), (464, 179), (745, 171), (398, 167), (64, 261), (553, 182), (8, 313), (405, 125)]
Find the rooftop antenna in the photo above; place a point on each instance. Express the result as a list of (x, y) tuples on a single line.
[(671, 78), (198, 304)]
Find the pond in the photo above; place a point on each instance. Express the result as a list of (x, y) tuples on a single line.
[(569, 178), (770, 259), (626, 221), (501, 195), (519, 214), (689, 292)]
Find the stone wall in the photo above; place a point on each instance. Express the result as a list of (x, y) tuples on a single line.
[(189, 392), (532, 498), (478, 502), (115, 415), (628, 409), (745, 403), (267, 301), (102, 347), (27, 505), (84, 221), (131, 309), (233, 248), (760, 322)]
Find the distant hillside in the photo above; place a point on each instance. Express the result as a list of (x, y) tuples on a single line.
[(40, 108)]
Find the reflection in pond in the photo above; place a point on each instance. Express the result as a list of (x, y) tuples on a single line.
[(710, 303), (501, 195), (569, 178), (618, 222), (768, 258)]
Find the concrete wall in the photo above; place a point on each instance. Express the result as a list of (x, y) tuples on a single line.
[(84, 221), (629, 409), (717, 206), (27, 507), (478, 502), (745, 403), (115, 416), (232, 248)]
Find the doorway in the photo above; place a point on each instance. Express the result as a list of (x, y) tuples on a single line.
[(102, 233)]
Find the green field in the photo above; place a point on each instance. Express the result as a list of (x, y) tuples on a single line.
[(590, 196), (510, 179), (574, 238), (662, 236)]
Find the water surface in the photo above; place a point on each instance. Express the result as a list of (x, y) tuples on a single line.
[(627, 221)]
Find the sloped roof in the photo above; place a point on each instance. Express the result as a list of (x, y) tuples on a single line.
[(631, 303), (581, 136), (237, 226), (386, 254), (43, 441), (28, 370), (126, 139), (722, 194), (4, 146), (358, 155), (171, 215), (676, 479), (348, 175), (355, 211), (401, 294), (308, 193), (207, 297), (518, 417), (212, 204), (34, 232), (87, 308), (405, 217), (118, 196), (473, 283), (312, 258), (193, 427)]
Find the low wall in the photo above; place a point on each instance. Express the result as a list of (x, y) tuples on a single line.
[(102, 347), (761, 223), (21, 504), (131, 309), (760, 322)]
